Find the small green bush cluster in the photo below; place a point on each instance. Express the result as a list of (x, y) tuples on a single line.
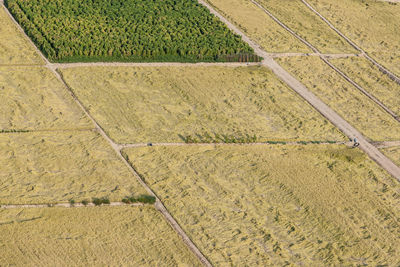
[(276, 142), (146, 199), (100, 201), (219, 138)]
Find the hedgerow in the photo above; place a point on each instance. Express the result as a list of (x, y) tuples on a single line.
[(128, 30)]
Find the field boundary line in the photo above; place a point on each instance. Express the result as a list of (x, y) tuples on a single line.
[(133, 145), (373, 61), (365, 92), (386, 144), (275, 55), (153, 64), (16, 131), (325, 60), (317, 103), (66, 205), (160, 207)]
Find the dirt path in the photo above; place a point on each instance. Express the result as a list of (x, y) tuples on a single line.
[(381, 68), (387, 144), (64, 205), (122, 146), (326, 61), (324, 109), (155, 64), (273, 55)]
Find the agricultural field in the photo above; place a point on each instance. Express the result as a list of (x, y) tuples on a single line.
[(33, 99), (393, 153), (106, 236), (53, 167), (168, 104), (298, 17), (259, 26), (364, 114), (311, 205), (14, 46), (372, 25), (371, 79), (110, 30)]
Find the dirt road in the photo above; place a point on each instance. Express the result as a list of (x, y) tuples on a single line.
[(324, 109), (373, 61)]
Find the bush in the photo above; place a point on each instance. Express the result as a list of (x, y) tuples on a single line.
[(100, 201), (97, 201), (71, 202), (146, 199), (85, 202)]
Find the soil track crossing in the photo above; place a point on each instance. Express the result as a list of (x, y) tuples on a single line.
[(319, 105), (325, 58)]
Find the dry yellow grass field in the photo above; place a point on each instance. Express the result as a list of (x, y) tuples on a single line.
[(259, 26), (295, 15), (311, 205), (371, 79), (373, 25), (55, 167), (33, 99), (344, 98), (157, 104), (105, 236), (393, 153), (14, 47)]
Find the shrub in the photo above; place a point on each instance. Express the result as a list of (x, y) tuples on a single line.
[(85, 202), (71, 202), (146, 199), (97, 201)]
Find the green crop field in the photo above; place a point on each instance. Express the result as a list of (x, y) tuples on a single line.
[(126, 30)]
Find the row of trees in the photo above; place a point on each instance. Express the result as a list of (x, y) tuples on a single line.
[(164, 30)]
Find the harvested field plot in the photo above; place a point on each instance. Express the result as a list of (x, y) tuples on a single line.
[(258, 26), (107, 236), (295, 15), (14, 47), (311, 205), (123, 30), (33, 99), (371, 79), (393, 153), (344, 98), (373, 25), (164, 104), (56, 167)]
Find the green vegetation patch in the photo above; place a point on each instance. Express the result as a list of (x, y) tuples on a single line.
[(128, 30)]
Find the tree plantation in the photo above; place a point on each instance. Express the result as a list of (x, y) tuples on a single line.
[(128, 30)]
